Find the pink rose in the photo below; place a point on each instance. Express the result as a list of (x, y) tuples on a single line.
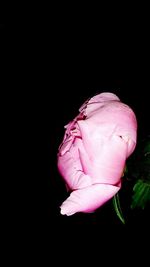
[(93, 153)]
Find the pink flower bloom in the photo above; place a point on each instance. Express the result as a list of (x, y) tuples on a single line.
[(93, 153)]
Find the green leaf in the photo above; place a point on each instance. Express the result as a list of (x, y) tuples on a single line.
[(116, 204), (141, 194)]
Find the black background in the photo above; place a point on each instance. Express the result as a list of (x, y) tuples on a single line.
[(49, 72)]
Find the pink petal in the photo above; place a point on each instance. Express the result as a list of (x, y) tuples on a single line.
[(88, 199)]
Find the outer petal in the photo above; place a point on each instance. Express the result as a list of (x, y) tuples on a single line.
[(103, 157), (88, 199), (70, 167)]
